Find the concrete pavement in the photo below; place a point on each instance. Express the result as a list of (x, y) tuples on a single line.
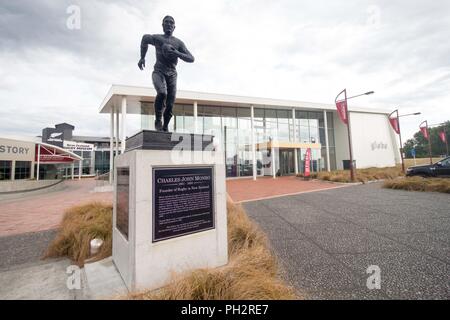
[(326, 240)]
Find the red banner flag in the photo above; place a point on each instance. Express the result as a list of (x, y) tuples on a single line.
[(424, 132), (307, 162), (443, 137), (394, 124), (341, 107)]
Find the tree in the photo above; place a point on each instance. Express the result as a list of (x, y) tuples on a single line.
[(419, 142)]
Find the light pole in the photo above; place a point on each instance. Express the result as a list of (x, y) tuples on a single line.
[(445, 138), (342, 108), (399, 131)]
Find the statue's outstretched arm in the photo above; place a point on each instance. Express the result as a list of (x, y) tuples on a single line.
[(146, 40), (184, 54)]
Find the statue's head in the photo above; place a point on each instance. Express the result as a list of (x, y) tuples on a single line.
[(168, 25)]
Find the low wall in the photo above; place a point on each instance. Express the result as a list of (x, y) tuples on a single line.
[(7, 187)]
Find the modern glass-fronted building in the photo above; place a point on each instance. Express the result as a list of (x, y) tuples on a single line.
[(259, 136), (233, 127)]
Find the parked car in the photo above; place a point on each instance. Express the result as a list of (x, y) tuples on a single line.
[(438, 169)]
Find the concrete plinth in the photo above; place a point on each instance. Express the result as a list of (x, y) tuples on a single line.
[(144, 258)]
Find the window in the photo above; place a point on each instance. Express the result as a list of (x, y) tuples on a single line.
[(5, 170), (314, 130), (23, 170), (283, 125)]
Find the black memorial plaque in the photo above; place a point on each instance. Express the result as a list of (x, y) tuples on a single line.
[(183, 201), (122, 200)]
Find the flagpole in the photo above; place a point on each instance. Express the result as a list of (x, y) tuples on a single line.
[(429, 143), (347, 122), (352, 169), (446, 141), (429, 139), (400, 137)]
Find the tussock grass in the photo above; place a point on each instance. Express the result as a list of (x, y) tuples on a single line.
[(362, 175), (419, 184), (251, 273), (420, 161), (79, 226)]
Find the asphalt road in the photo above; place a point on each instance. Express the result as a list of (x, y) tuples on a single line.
[(325, 241), (24, 248)]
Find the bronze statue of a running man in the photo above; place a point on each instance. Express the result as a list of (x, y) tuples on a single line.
[(164, 76)]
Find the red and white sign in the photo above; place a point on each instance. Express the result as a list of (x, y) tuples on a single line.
[(394, 124), (424, 132), (341, 107), (307, 172), (443, 136)]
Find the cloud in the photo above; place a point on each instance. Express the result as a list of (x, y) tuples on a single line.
[(281, 49)]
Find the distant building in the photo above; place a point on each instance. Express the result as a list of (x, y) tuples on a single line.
[(262, 136), (95, 151)]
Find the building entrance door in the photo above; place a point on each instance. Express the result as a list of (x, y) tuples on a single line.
[(287, 162)]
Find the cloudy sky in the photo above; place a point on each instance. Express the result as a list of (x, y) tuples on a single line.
[(291, 49)]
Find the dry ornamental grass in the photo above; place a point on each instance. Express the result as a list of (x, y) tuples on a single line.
[(419, 184), (362, 175), (250, 274), (80, 225)]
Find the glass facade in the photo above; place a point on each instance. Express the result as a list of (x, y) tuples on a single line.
[(232, 127), (22, 170), (101, 165), (5, 170)]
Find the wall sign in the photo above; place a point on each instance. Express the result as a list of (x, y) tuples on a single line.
[(378, 145), (183, 201), (16, 150), (78, 146), (53, 136)]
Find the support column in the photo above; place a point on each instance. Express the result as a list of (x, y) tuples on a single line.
[(13, 170), (111, 147), (195, 117), (253, 140), (294, 132), (92, 165), (32, 170), (124, 124), (38, 161), (273, 161), (80, 167), (73, 170), (117, 132), (326, 140)]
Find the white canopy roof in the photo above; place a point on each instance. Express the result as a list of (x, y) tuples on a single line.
[(135, 95)]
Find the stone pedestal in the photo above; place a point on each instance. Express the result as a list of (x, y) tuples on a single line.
[(169, 208)]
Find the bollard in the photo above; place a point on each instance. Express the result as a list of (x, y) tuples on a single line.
[(95, 245)]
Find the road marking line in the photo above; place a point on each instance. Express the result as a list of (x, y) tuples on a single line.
[(291, 194)]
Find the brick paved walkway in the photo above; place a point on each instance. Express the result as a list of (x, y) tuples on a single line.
[(242, 190), (33, 213)]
